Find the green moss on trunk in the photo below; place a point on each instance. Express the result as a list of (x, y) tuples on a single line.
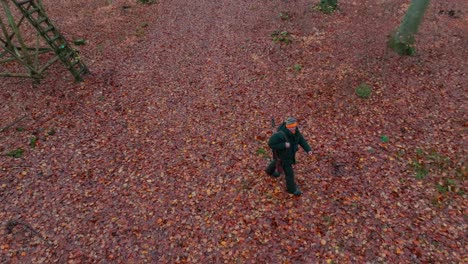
[(402, 40)]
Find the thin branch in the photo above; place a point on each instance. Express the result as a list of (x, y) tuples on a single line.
[(11, 224), (13, 123)]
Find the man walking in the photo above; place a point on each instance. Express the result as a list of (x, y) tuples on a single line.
[(285, 143)]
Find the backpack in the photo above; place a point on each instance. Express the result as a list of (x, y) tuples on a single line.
[(279, 163)]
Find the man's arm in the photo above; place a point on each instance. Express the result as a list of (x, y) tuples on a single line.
[(277, 142), (303, 143)]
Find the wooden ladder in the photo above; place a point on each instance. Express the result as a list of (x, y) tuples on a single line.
[(33, 11)]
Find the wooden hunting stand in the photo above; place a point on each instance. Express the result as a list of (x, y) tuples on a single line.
[(17, 43)]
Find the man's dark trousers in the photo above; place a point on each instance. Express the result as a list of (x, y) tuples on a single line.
[(288, 172)]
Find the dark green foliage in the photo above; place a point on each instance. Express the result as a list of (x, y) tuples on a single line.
[(262, 152), (33, 141), (284, 16), (281, 36), (79, 42), (328, 6), (449, 178), (297, 68), (384, 139), (148, 1), (448, 185), (363, 90), (419, 165), (420, 169), (17, 153)]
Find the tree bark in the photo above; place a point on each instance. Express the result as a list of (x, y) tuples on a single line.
[(403, 39)]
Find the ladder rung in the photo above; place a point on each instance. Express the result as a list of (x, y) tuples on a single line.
[(54, 38), (70, 61), (23, 2), (49, 28), (75, 63), (32, 11), (68, 55), (42, 19)]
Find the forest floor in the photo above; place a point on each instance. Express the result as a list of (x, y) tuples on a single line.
[(158, 156)]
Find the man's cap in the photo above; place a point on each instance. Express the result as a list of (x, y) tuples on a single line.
[(291, 122)]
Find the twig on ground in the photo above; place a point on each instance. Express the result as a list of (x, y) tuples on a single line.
[(13, 123), (11, 224)]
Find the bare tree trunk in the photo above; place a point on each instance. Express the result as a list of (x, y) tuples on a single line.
[(403, 39)]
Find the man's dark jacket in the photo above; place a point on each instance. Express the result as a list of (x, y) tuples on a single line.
[(277, 142)]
